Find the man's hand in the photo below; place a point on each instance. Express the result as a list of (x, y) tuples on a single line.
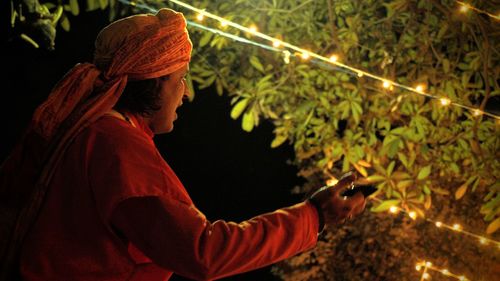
[(335, 208)]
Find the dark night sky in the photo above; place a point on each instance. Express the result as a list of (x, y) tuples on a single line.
[(230, 174)]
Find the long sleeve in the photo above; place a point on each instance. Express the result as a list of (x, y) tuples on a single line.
[(178, 237)]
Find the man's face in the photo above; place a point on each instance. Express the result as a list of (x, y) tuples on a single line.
[(172, 91)]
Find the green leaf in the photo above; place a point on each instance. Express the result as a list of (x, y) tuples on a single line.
[(104, 3), (493, 226), (390, 168), (393, 147), (65, 23), (404, 184), (424, 172), (278, 140), (385, 205), (205, 39), (255, 62), (403, 159), (239, 108), (92, 5), (248, 121), (461, 191), (74, 8)]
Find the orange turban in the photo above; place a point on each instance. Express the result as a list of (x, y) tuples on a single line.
[(137, 47), (144, 46)]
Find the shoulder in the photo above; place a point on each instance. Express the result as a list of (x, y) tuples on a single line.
[(117, 135)]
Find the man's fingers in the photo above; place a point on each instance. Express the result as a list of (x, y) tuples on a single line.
[(358, 203), (344, 183), (359, 208)]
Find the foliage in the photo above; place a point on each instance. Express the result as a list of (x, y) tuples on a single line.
[(36, 22), (411, 146), (417, 151)]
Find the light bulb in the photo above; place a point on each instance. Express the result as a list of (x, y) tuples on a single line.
[(445, 101), (418, 267), (439, 224), (464, 8), (428, 264), (276, 43), (476, 112), (426, 275), (483, 240), (305, 55), (445, 271), (332, 181), (386, 84), (334, 58), (393, 209), (420, 88), (200, 17), (413, 215), (286, 56), (456, 226), (360, 74), (253, 28), (223, 23)]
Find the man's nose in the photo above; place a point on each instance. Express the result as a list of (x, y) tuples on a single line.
[(187, 92)]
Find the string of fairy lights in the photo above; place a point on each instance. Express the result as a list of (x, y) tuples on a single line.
[(466, 7), (439, 224), (427, 265), (332, 59), (281, 46), (456, 227), (304, 54)]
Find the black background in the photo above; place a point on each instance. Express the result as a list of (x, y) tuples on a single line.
[(230, 174)]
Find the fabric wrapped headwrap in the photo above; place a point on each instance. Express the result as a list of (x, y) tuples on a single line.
[(137, 47)]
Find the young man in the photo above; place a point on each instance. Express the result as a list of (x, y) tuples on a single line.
[(100, 203)]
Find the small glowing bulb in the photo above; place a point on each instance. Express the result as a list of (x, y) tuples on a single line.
[(456, 226), (286, 56), (413, 215), (200, 17), (483, 240), (223, 23), (386, 84), (419, 88), (418, 267), (439, 224), (276, 43), (426, 275), (462, 278), (393, 209), (305, 55), (445, 101), (332, 181), (334, 58), (428, 264), (360, 74), (253, 28), (445, 271), (476, 112), (464, 8)]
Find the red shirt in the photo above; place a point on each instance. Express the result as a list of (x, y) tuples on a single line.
[(115, 210)]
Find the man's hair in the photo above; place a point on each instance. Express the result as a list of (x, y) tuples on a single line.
[(141, 97)]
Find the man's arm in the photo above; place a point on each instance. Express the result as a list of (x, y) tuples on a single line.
[(178, 237)]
